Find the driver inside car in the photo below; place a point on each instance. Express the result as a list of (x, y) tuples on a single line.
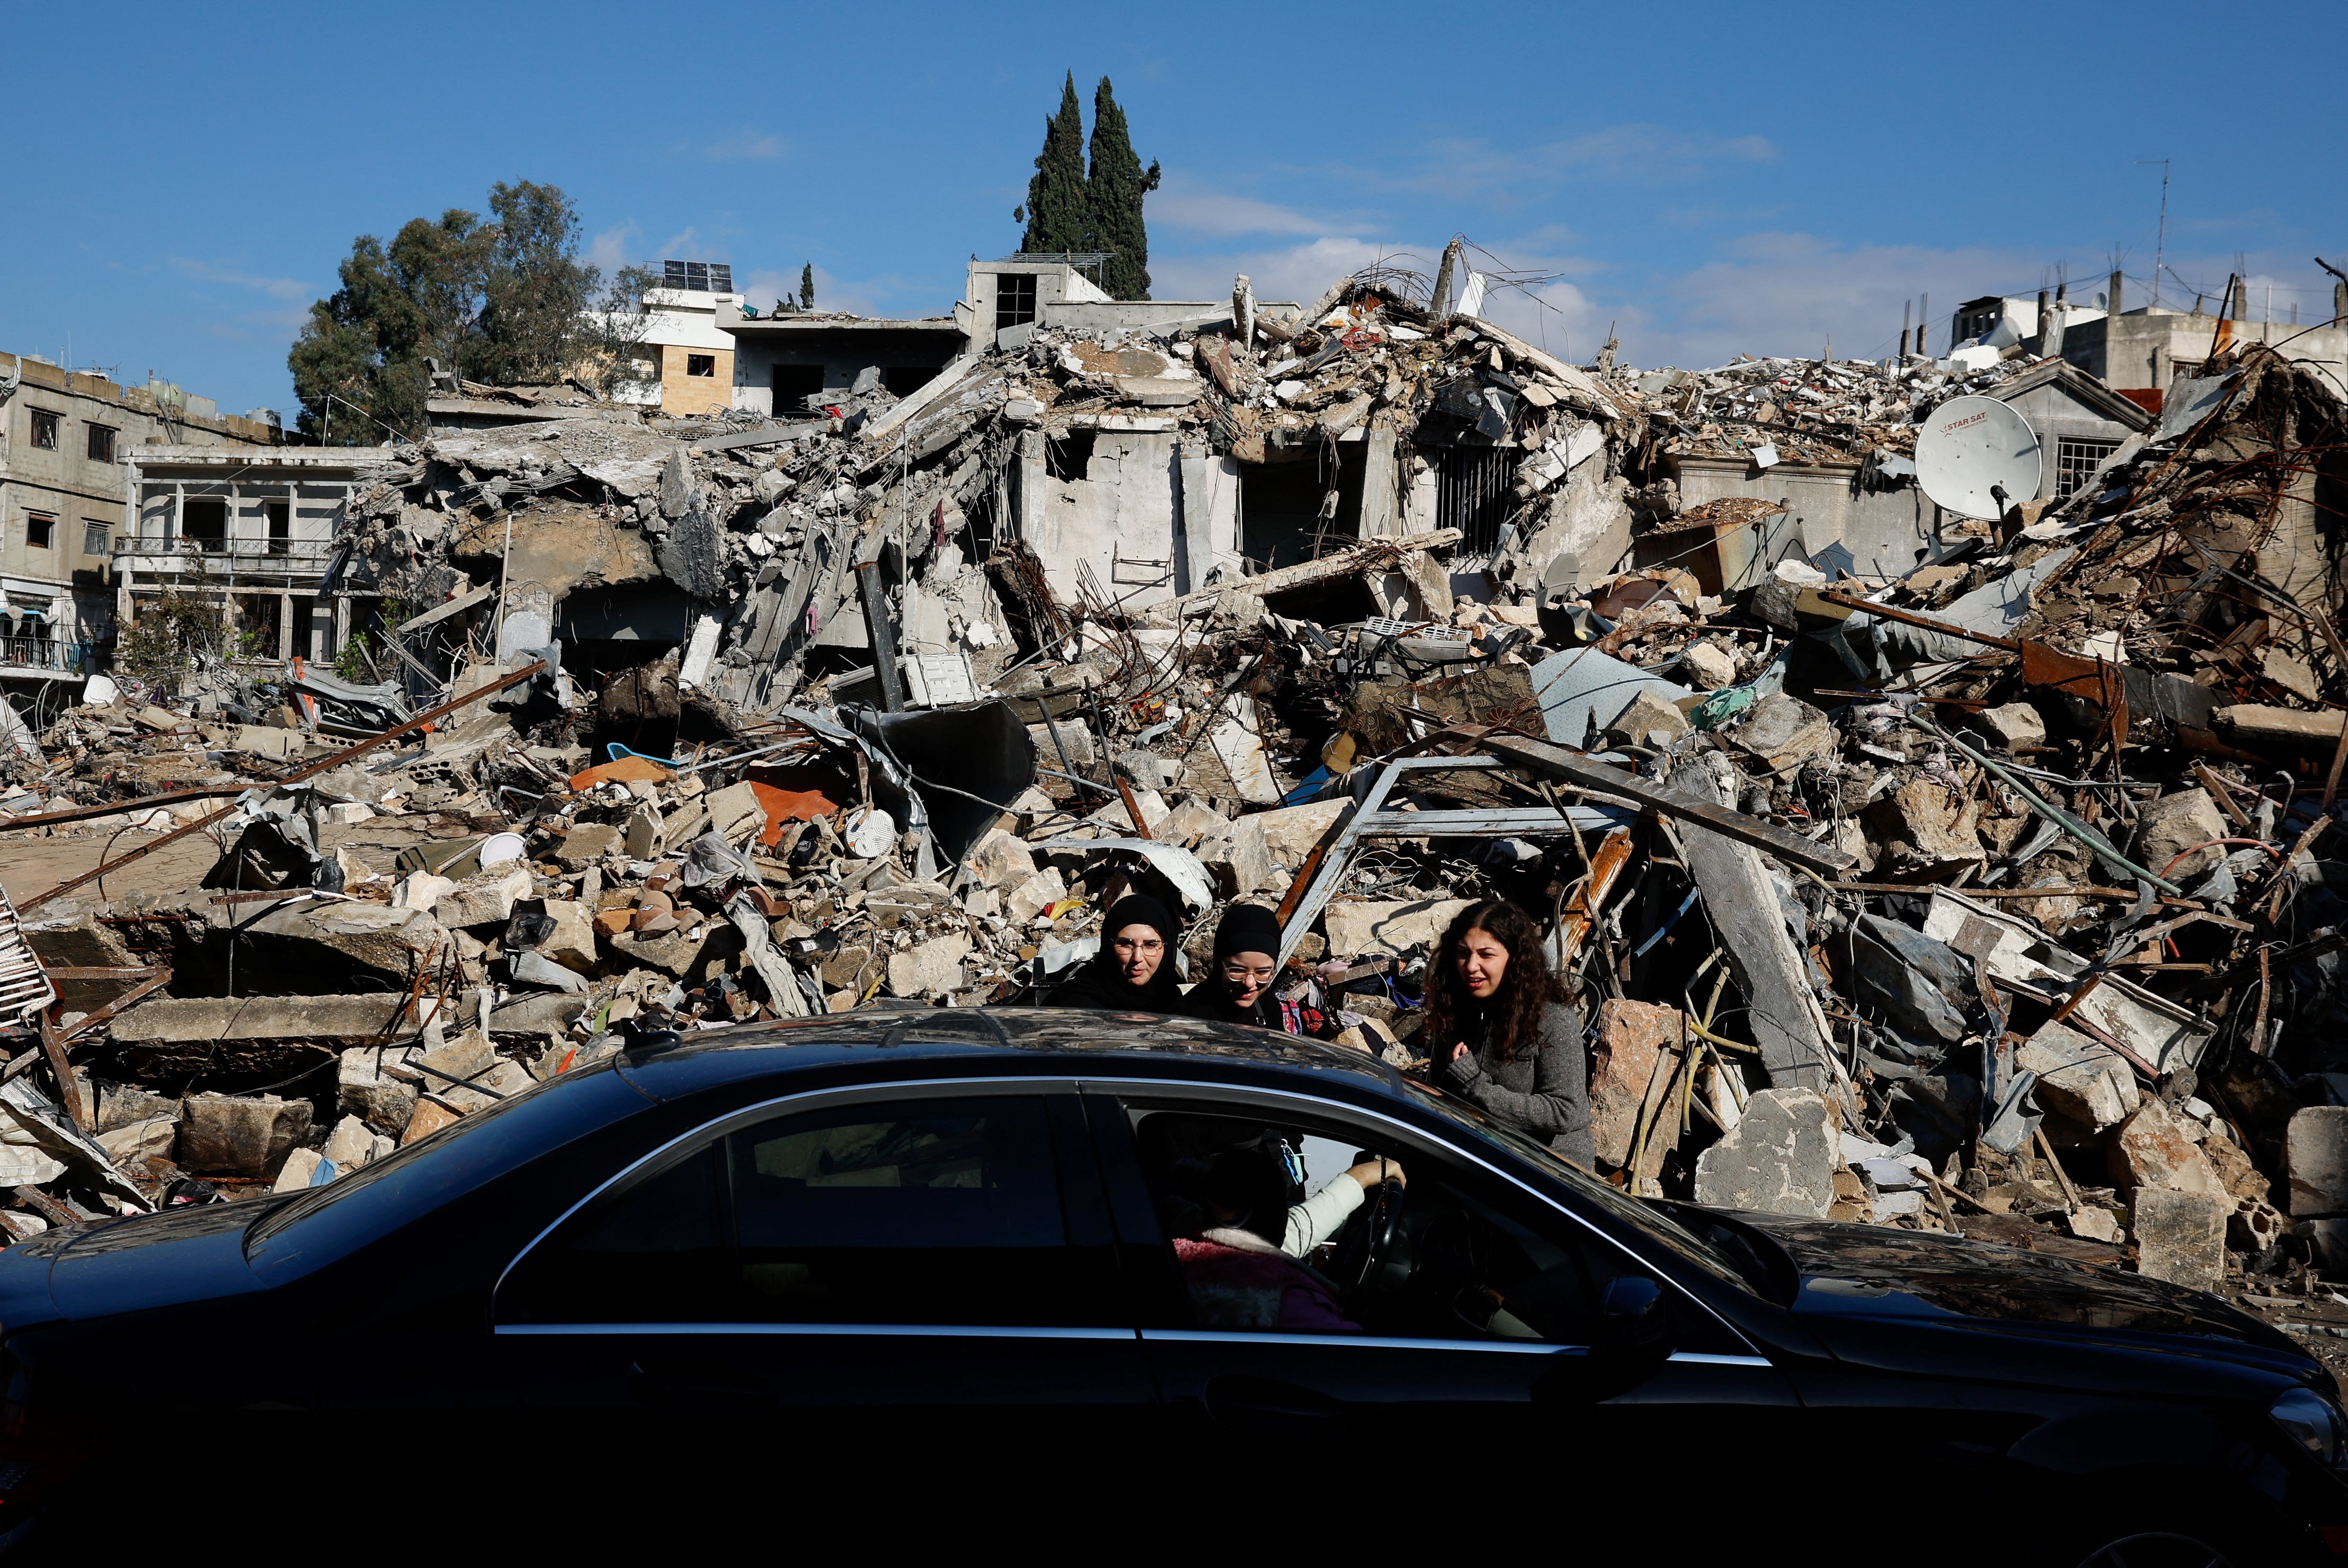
[(1236, 1274)]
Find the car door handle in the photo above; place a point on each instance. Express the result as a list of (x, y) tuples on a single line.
[(1266, 1404), (685, 1383)]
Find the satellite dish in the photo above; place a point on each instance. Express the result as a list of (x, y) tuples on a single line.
[(1972, 446)]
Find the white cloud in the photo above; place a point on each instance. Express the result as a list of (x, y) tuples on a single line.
[(609, 249), (1788, 294), (747, 142), (1187, 207), (211, 272)]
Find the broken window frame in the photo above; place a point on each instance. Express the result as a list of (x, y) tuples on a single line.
[(2076, 458), (1014, 300), (45, 427), (1474, 491), (97, 538)]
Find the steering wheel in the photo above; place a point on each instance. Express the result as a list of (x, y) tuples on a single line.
[(1370, 1244)]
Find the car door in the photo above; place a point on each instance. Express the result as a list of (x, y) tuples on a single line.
[(843, 1279), (1485, 1358)]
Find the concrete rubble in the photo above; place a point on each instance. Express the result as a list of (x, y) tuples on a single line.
[(1988, 892)]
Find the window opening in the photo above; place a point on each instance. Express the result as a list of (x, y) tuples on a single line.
[(101, 444), (2076, 462), (795, 384), (97, 538), (44, 430), (280, 528), (39, 529), (204, 522), (701, 364), (1014, 299), (904, 380), (1472, 494), (1070, 457)]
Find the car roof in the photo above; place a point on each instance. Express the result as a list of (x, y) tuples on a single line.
[(988, 1041)]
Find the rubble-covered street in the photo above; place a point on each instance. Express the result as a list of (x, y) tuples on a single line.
[(1994, 896)]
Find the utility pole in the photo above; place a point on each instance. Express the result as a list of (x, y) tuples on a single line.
[(2160, 243)]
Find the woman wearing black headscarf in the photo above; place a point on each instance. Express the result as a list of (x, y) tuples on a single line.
[(1133, 970), (1237, 988)]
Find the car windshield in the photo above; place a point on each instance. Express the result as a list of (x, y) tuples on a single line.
[(1636, 1212)]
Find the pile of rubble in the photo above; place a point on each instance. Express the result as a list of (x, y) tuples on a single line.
[(1990, 899)]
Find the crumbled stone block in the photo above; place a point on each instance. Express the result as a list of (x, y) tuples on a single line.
[(485, 899), (1356, 929), (2078, 1078), (929, 967), (588, 844), (1000, 861), (1780, 1159), (239, 1135), (2166, 828), (2150, 1149), (2315, 1161), (1631, 1036), (2181, 1236)]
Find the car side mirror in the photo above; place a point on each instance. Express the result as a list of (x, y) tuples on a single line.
[(1634, 1334)]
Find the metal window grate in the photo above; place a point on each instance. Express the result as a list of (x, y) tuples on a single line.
[(1014, 299), (2076, 462), (1472, 494)]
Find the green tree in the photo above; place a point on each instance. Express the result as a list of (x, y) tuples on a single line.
[(535, 290), (1055, 212), (1113, 192), (504, 301), (807, 287)]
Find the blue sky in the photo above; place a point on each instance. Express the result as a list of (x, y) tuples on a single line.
[(1712, 179)]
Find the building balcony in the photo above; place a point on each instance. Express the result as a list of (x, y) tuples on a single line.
[(244, 560), (42, 658)]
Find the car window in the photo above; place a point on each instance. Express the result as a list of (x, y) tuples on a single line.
[(1264, 1241), (1636, 1212), (920, 1211)]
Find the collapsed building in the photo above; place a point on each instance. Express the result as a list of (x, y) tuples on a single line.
[(1941, 873)]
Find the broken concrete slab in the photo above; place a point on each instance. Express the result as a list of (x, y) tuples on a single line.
[(2078, 1079), (486, 898), (2174, 834), (2150, 1149), (1780, 1159), (586, 844), (366, 1087), (237, 1135), (132, 1144), (1787, 1023), (2315, 1161), (2181, 1236), (1785, 732), (338, 1019), (2014, 725), (336, 946), (1648, 720), (1632, 1037), (932, 968), (1364, 929)]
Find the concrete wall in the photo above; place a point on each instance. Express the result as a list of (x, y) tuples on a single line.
[(2140, 350), (1888, 532), (1121, 518)]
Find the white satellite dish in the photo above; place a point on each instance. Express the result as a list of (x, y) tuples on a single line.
[(1972, 446)]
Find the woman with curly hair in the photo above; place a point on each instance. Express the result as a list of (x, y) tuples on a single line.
[(1502, 1035)]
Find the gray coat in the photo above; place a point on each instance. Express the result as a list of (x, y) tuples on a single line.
[(1543, 1094)]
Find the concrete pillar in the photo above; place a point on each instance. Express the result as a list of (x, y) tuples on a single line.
[(2112, 298), (1381, 495), (342, 624), (285, 648), (2339, 301)]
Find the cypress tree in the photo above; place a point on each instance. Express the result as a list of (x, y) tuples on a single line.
[(1055, 210), (807, 287), (1113, 192)]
